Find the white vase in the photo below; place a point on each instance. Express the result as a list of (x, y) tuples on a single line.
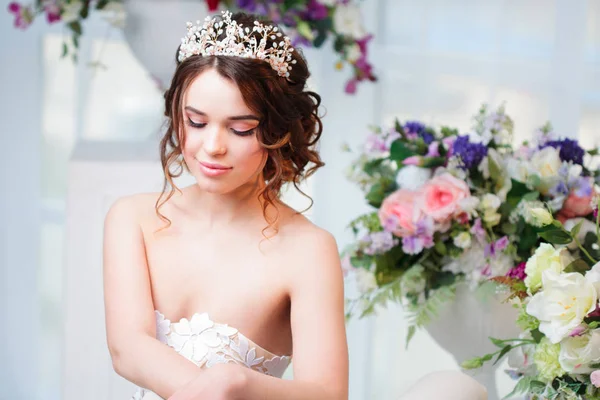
[(464, 326), (154, 28)]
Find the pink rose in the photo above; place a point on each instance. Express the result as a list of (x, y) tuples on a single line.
[(576, 206), (441, 197), (398, 213), (595, 378)]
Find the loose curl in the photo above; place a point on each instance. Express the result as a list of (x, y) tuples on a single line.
[(289, 127)]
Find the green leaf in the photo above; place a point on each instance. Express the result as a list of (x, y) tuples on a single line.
[(432, 162), (579, 266), (576, 229), (377, 193), (521, 387), (75, 26), (303, 28), (502, 353), (440, 247), (101, 4), (498, 342), (411, 332), (399, 152), (399, 128), (536, 335), (65, 49), (556, 236), (531, 196)]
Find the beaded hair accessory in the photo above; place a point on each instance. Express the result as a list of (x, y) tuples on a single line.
[(239, 41)]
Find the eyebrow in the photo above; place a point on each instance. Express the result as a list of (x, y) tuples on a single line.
[(233, 118)]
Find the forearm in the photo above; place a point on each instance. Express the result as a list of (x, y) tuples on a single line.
[(258, 386), (152, 365)]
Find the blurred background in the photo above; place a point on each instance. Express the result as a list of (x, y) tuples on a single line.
[(77, 135)]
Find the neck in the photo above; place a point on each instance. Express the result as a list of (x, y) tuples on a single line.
[(241, 206)]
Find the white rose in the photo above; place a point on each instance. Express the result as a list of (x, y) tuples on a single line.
[(546, 162), (463, 240), (562, 303), (576, 353), (490, 201), (586, 226), (491, 217), (541, 216), (593, 276), (519, 170), (546, 257), (469, 205), (347, 21), (412, 177), (365, 280)]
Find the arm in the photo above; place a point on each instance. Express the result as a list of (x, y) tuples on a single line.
[(130, 322), (318, 328)]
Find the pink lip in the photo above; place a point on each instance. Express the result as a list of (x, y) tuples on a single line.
[(211, 169)]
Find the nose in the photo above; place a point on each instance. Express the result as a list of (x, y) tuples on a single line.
[(215, 141)]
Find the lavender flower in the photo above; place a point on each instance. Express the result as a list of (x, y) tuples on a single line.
[(470, 153), (569, 150), (422, 239), (379, 242), (415, 129)]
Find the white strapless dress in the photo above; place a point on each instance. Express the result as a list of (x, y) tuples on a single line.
[(206, 343)]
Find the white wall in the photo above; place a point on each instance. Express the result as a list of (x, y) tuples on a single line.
[(437, 61), (20, 106)]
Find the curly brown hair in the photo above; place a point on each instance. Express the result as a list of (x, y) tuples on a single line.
[(289, 127)]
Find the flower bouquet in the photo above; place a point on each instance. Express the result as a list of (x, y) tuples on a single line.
[(451, 208), (557, 354), (309, 22)]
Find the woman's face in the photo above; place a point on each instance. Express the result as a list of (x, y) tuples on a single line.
[(221, 147)]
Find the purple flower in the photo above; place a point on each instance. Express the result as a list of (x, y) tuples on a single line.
[(248, 5), (478, 230), (569, 150), (379, 242), (583, 187), (433, 150), (351, 86), (52, 11), (375, 143), (315, 11), (415, 129), (470, 153), (561, 189), (422, 239), (23, 15), (517, 272)]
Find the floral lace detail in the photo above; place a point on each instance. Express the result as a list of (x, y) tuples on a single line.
[(207, 343)]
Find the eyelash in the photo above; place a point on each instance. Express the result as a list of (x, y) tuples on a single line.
[(239, 133)]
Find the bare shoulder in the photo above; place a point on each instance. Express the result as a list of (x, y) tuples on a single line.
[(308, 246), (135, 208)]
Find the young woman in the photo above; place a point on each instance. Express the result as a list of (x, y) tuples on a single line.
[(222, 273)]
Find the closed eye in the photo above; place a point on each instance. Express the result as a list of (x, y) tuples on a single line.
[(195, 124), (244, 133)]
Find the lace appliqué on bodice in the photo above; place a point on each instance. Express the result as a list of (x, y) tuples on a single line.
[(206, 343)]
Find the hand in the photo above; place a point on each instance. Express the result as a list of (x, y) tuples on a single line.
[(220, 382)]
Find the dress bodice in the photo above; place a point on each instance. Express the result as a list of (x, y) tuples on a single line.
[(206, 343)]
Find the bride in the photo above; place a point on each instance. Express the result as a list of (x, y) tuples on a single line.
[(210, 289)]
